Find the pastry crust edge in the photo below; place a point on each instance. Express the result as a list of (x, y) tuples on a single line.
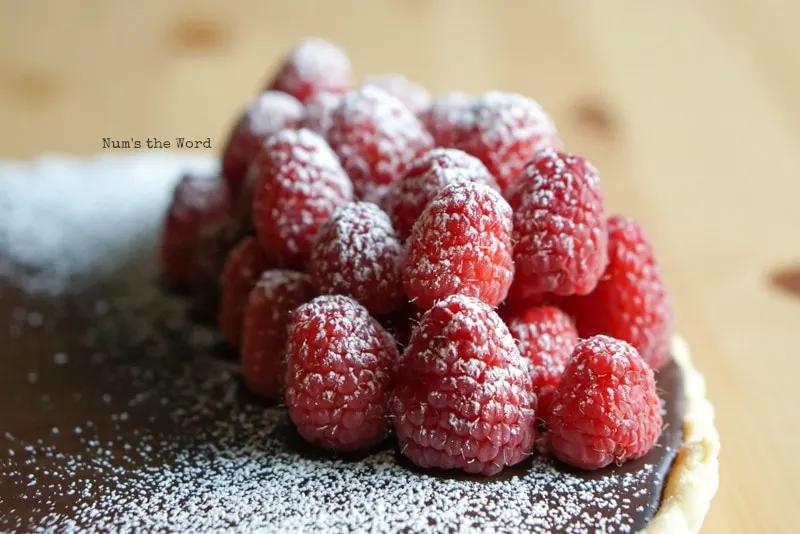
[(694, 477)]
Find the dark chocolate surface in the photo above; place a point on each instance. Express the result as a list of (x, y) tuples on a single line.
[(106, 390)]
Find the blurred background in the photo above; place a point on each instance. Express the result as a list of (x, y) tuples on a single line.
[(689, 109)]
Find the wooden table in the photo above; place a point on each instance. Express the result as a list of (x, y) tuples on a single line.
[(690, 110)]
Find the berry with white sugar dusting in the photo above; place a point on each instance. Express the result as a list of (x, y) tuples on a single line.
[(312, 67), (269, 310), (356, 253), (376, 138), (270, 112), (429, 174), (341, 367), (630, 302), (605, 408), (197, 202), (463, 398), (560, 231), (545, 337), (299, 183), (506, 130), (242, 270), (460, 245), (446, 116)]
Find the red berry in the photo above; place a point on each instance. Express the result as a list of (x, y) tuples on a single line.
[(197, 202), (430, 173), (312, 67), (546, 338), (630, 302), (445, 117), (605, 408), (560, 234), (319, 112), (269, 309), (377, 138), (270, 112), (299, 184), (505, 131), (242, 270), (356, 253), (215, 242), (413, 96), (341, 368), (461, 245), (463, 398)]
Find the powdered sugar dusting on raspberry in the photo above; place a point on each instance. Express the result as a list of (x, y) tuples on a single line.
[(461, 244), (376, 138), (271, 111), (507, 130), (299, 184), (161, 438), (315, 65), (356, 253)]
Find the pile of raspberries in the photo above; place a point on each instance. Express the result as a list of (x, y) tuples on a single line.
[(436, 268)]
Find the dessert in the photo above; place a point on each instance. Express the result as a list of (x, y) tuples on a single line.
[(416, 414)]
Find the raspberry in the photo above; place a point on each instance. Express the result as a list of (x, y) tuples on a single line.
[(270, 112), (312, 67), (215, 242), (605, 408), (319, 112), (560, 234), (506, 130), (298, 185), (413, 96), (376, 139), (242, 270), (269, 309), (356, 253), (461, 244), (197, 202), (445, 117), (463, 398), (546, 338), (429, 174), (630, 302), (341, 369)]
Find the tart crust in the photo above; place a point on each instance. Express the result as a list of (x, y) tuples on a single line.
[(694, 478)]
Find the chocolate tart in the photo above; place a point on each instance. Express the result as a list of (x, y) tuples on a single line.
[(122, 412)]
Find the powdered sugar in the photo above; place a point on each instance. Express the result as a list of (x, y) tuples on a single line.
[(65, 208)]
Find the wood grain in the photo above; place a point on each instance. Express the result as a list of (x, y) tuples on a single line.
[(690, 110)]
